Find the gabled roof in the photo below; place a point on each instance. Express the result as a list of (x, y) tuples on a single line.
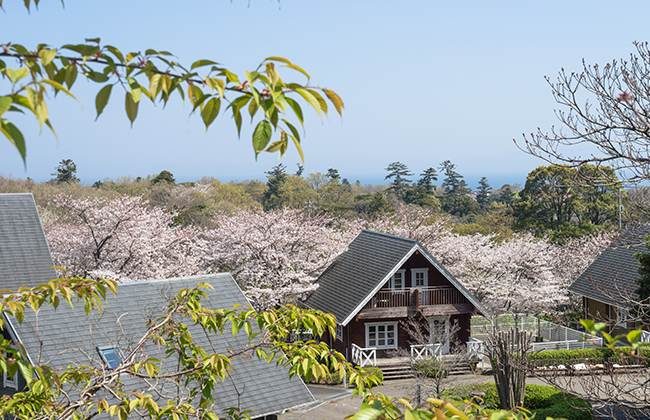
[(357, 275), (611, 277), (67, 339), (25, 258)]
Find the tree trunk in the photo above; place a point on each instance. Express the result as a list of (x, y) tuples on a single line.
[(509, 359)]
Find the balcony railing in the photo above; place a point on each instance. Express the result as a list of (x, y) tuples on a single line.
[(416, 296)]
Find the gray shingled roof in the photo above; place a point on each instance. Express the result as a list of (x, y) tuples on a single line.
[(66, 338), (611, 277), (357, 274), (25, 258)]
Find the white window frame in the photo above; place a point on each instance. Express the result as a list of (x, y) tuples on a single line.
[(9, 382), (391, 283), (368, 325), (621, 318), (339, 332), (425, 272)]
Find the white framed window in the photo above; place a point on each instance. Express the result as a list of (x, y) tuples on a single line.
[(339, 332), (382, 335), (9, 381), (420, 277), (621, 318), (397, 281)]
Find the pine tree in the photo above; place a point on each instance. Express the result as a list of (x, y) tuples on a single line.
[(483, 193), (399, 173)]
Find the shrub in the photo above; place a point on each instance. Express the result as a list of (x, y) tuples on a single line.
[(430, 368), (593, 353), (543, 401), (372, 370)]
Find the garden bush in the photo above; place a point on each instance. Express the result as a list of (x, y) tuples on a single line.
[(543, 401), (593, 353), (430, 368), (372, 370)]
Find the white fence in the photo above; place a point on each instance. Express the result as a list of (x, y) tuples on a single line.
[(364, 356), (553, 336), (426, 351)]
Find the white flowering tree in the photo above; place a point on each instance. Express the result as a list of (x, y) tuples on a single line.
[(123, 239)]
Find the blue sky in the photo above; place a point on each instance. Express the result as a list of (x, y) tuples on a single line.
[(422, 81)]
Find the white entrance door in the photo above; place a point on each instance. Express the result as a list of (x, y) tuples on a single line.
[(439, 328)]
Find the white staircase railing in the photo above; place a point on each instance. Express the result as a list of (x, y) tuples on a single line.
[(645, 336), (426, 351), (475, 349), (364, 356)]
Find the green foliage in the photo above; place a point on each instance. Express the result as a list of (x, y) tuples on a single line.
[(542, 401), (43, 72), (603, 353), (164, 176), (497, 221), (431, 368), (483, 193), (266, 337), (643, 292), (66, 172), (373, 370), (566, 200), (398, 173)]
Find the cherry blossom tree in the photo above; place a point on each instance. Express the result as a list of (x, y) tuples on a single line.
[(276, 256), (124, 239)]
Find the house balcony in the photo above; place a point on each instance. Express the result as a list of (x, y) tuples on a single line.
[(429, 301)]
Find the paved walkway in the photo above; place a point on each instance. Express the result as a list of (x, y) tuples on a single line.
[(336, 402)]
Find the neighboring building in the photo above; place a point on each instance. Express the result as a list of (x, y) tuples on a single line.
[(25, 258), (384, 279), (65, 337), (608, 286)]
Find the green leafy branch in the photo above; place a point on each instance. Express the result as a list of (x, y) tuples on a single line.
[(155, 75)]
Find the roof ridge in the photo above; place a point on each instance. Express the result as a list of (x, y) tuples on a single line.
[(374, 232)]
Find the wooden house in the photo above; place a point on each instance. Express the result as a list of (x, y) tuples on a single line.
[(608, 286), (380, 282)]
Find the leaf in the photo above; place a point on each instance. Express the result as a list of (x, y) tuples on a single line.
[(280, 59), (296, 143), (210, 111), (136, 91), (131, 107), (261, 136), (15, 75), (633, 336), (25, 370), (5, 104), (46, 56), (296, 109), (102, 99), (97, 76), (336, 100), (310, 99), (215, 83), (201, 63), (155, 85), (319, 98), (15, 137), (297, 68), (58, 86)]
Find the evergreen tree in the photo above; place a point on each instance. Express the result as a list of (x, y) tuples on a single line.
[(333, 174), (453, 184), (300, 170), (164, 176), (456, 199), (398, 172), (426, 180), (483, 193), (506, 195), (65, 173), (277, 176)]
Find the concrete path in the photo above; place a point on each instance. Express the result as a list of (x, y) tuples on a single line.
[(336, 402)]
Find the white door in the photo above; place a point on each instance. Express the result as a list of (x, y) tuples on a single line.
[(439, 328)]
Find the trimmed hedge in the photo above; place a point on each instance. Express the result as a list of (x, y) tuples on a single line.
[(430, 368), (543, 401), (593, 353)]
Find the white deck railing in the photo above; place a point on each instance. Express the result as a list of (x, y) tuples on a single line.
[(364, 356), (425, 351), (475, 349)]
